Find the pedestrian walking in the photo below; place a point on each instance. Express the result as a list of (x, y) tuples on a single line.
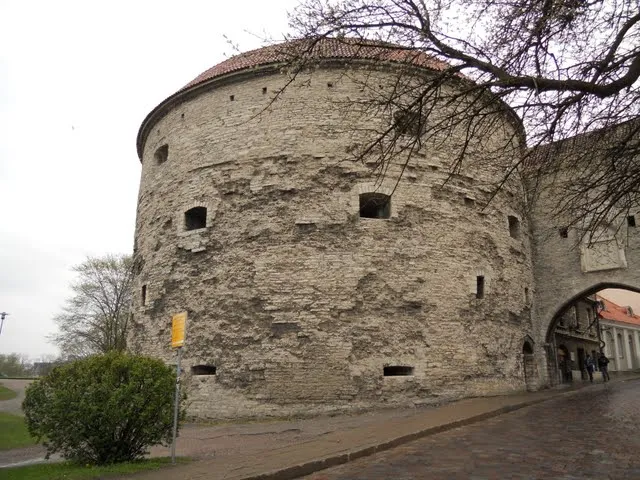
[(603, 364), (588, 362)]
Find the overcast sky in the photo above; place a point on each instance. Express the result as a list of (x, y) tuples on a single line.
[(76, 80)]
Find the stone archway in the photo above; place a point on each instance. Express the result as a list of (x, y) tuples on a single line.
[(563, 364), (529, 364), (558, 371)]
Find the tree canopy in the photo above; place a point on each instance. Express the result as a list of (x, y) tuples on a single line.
[(96, 318), (566, 68)]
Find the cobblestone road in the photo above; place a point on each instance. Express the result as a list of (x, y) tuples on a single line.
[(594, 434)]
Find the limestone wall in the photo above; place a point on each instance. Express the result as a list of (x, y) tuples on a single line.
[(567, 264), (298, 302)]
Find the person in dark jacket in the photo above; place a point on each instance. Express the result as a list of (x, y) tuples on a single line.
[(603, 365), (588, 363)]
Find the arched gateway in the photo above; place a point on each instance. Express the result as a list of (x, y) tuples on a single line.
[(568, 268)]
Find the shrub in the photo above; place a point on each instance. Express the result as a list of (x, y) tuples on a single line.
[(103, 409)]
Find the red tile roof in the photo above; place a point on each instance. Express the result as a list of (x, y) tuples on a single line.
[(616, 313), (324, 49)]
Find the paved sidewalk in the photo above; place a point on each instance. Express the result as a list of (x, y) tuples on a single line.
[(14, 405), (290, 449), (593, 435)]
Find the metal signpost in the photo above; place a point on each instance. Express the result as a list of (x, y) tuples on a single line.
[(178, 323), (2, 315)]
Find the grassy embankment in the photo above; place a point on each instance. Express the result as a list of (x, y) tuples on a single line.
[(72, 471), (13, 432), (6, 393)]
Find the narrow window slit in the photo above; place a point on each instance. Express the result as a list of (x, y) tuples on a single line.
[(144, 295), (397, 371), (480, 286), (514, 227), (203, 370)]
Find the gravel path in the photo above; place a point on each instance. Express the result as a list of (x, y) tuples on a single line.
[(14, 405)]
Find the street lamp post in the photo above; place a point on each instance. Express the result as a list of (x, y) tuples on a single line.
[(2, 315)]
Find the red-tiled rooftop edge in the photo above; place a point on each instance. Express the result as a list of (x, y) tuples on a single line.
[(616, 313), (300, 53), (326, 48)]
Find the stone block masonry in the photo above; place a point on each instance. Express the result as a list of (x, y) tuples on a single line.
[(297, 301)]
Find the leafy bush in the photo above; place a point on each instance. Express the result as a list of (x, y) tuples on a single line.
[(103, 409)]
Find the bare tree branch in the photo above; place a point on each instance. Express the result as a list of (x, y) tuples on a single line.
[(563, 69)]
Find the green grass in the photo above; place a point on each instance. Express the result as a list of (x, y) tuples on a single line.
[(72, 471), (13, 432), (6, 393)]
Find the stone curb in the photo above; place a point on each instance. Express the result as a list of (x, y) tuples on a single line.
[(307, 468), (296, 471)]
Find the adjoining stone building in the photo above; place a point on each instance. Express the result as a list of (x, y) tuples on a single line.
[(576, 335), (620, 331), (315, 285), (589, 326)]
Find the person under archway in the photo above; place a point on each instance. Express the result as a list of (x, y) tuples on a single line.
[(589, 365), (603, 365)]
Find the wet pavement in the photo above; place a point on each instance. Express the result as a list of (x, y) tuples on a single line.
[(590, 435)]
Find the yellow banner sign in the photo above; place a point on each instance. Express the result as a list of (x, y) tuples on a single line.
[(178, 322)]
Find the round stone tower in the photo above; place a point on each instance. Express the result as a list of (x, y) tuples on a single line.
[(311, 282)]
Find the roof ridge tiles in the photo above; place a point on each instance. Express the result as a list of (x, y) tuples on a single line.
[(321, 49)]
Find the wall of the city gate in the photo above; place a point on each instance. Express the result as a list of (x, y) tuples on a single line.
[(299, 303), (568, 267)]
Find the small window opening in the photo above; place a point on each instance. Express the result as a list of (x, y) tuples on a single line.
[(375, 205), (162, 154), (620, 346), (514, 227), (564, 232), (232, 98), (407, 122), (203, 370), (397, 371), (195, 218), (264, 90), (144, 295), (469, 202), (330, 84), (631, 221), (527, 349), (526, 296), (480, 286)]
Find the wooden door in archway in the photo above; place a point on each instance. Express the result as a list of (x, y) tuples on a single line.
[(530, 370)]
